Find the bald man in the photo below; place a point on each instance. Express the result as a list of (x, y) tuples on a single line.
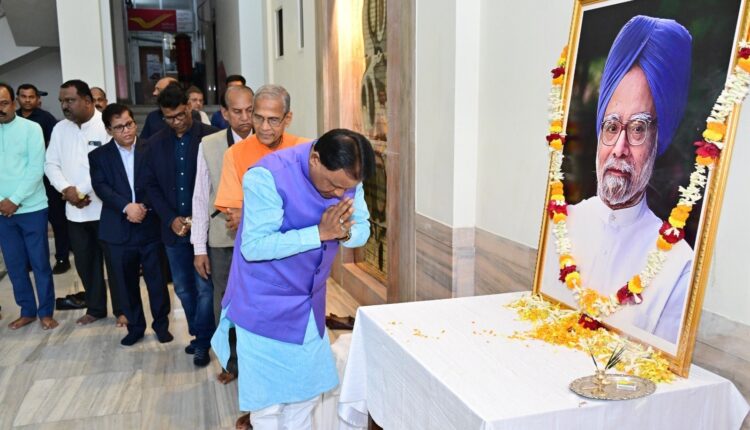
[(100, 98)]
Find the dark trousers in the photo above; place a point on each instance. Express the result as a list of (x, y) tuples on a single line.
[(23, 239), (126, 260), (221, 261), (90, 257), (59, 222), (196, 294)]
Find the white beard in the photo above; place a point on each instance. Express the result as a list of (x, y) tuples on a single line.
[(616, 190)]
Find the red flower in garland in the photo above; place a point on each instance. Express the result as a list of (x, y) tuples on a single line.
[(553, 136), (587, 322), (745, 53), (626, 297), (557, 72), (707, 149), (670, 234), (555, 207), (567, 270)]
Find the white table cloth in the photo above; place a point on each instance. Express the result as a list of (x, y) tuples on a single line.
[(449, 364)]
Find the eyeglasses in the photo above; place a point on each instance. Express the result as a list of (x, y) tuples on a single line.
[(179, 117), (5, 103), (127, 126), (272, 121), (636, 130)]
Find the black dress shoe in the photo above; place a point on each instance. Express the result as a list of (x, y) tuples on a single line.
[(69, 302), (164, 336), (201, 357), (190, 349), (131, 339), (61, 266)]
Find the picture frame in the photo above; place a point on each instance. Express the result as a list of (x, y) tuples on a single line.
[(608, 237)]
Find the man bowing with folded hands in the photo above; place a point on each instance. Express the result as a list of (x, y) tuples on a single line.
[(299, 204)]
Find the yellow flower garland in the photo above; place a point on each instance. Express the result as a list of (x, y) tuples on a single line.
[(554, 325)]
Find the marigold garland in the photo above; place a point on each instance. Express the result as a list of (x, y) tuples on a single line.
[(708, 150), (573, 330)]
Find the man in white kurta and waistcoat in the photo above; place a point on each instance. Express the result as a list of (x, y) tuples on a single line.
[(642, 98)]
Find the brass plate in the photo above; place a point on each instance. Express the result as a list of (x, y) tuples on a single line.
[(587, 387)]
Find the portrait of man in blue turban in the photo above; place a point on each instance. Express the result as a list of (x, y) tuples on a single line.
[(642, 97)]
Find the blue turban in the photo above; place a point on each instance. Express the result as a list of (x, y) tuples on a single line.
[(662, 48)]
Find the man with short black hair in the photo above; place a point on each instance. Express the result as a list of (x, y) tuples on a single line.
[(28, 102), (23, 214), (301, 203), (155, 119), (217, 119), (171, 168), (128, 226), (67, 167), (100, 98), (195, 102)]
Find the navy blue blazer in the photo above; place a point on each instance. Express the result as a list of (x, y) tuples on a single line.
[(110, 182), (161, 184)]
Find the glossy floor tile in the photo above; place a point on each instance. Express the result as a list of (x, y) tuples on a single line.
[(79, 377)]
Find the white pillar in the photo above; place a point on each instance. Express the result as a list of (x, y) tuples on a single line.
[(447, 110), (86, 50)]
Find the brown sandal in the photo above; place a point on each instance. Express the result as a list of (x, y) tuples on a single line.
[(335, 322), (225, 377), (243, 423)]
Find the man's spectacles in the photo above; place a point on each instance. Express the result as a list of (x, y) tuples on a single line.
[(636, 130), (272, 121), (174, 118), (127, 126)]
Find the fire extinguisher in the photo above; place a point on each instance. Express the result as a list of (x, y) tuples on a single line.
[(184, 53)]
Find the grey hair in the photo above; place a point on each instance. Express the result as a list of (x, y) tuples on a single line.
[(272, 91)]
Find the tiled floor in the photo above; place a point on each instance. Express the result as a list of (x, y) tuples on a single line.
[(79, 377)]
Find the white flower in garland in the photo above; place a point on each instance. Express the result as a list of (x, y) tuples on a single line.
[(735, 90)]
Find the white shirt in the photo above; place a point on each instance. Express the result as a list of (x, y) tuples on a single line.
[(128, 161), (204, 117), (67, 162), (609, 247)]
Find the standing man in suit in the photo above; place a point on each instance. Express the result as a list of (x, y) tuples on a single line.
[(171, 168), (127, 224)]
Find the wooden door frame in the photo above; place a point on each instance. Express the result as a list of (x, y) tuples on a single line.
[(400, 206)]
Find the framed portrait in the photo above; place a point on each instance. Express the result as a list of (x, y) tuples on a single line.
[(641, 79)]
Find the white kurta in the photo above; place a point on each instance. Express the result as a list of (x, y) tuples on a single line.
[(67, 162), (609, 247)]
